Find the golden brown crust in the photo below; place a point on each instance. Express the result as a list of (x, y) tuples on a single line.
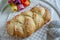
[(24, 24), (38, 20), (10, 28), (38, 10), (47, 16), (18, 31), (27, 13), (29, 26)]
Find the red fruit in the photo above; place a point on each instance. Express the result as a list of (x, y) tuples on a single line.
[(25, 2)]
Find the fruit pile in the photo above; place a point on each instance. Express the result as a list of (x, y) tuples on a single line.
[(18, 5)]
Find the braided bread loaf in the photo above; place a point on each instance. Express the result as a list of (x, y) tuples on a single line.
[(27, 22)]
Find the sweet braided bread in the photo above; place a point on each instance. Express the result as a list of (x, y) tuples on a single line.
[(26, 23)]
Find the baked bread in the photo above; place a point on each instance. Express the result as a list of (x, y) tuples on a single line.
[(26, 23)]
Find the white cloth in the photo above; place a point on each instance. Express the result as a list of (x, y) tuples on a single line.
[(54, 31), (4, 16)]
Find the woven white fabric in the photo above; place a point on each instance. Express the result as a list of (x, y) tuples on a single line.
[(40, 34)]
